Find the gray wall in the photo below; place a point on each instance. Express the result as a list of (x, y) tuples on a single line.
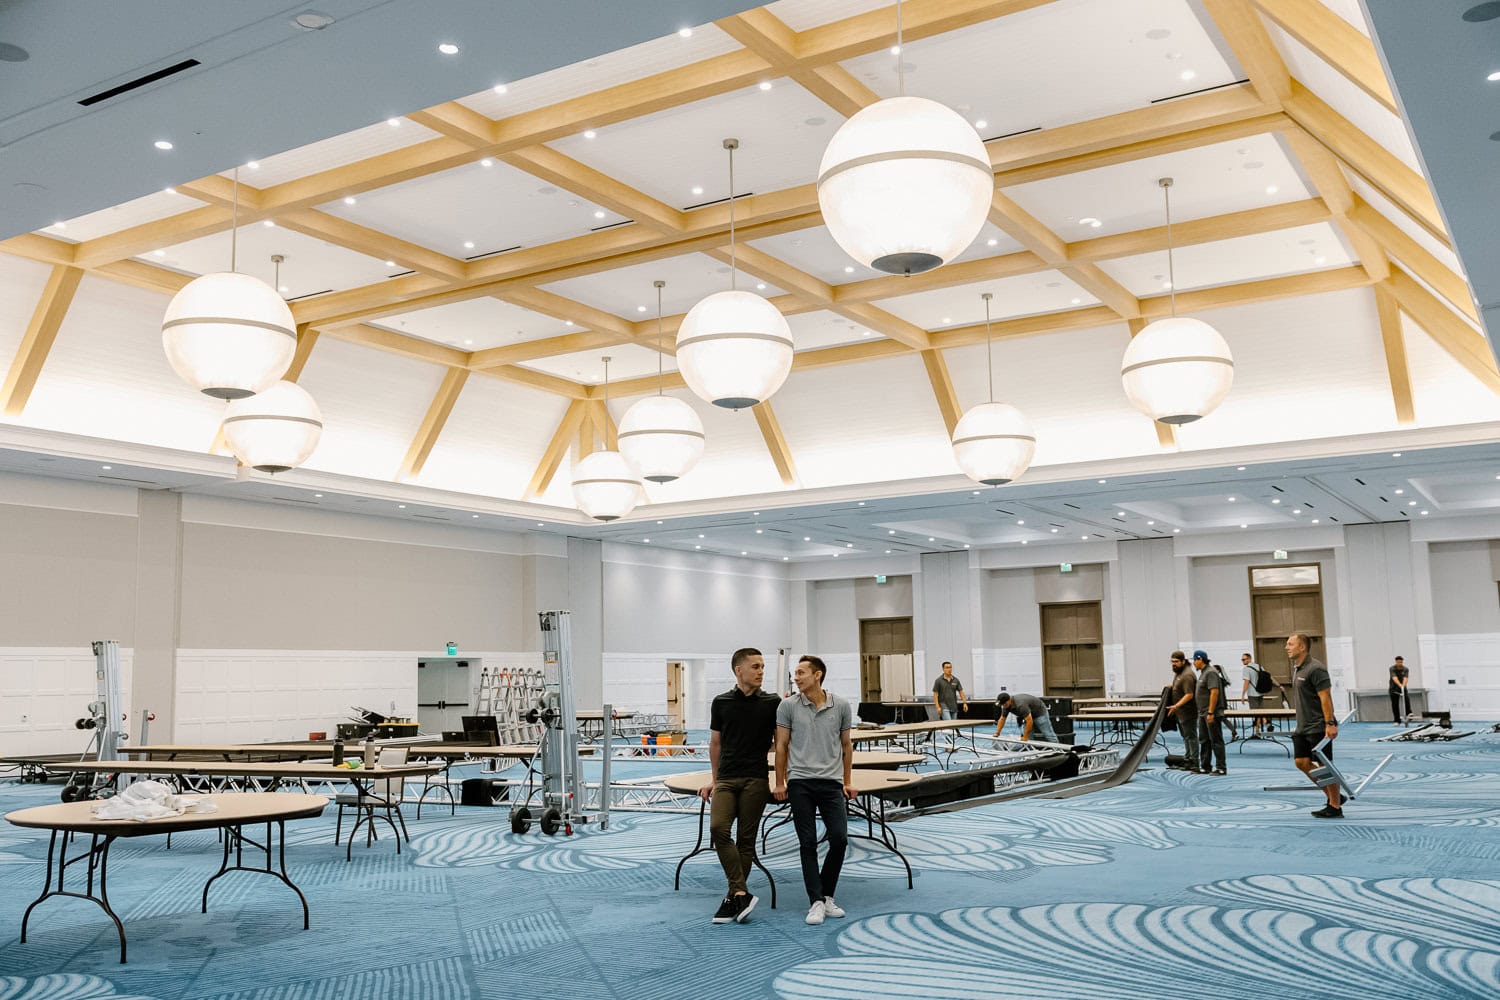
[(945, 631), (248, 588), (834, 626), (674, 603), (1147, 586), (1382, 605), (1219, 590), (1464, 593), (892, 599), (1010, 616), (69, 577)]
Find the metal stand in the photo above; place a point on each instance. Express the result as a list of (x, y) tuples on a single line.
[(104, 720), (563, 792), (98, 861)]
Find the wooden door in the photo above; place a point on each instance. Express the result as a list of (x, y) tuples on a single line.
[(674, 695), (1073, 649), (878, 637), (1278, 611)]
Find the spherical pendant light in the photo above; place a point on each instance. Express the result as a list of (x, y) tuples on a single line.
[(229, 335), (994, 443), (734, 349), (1177, 369), (660, 436), (605, 487), (274, 430), (905, 185)]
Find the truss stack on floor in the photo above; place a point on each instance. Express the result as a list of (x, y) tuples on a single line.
[(508, 693)]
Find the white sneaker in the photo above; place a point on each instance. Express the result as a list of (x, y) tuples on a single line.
[(816, 912), (831, 908)]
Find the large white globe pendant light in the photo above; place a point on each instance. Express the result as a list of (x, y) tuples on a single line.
[(733, 348), (660, 436), (905, 185), (993, 442), (605, 487), (229, 335), (1178, 369), (274, 430)]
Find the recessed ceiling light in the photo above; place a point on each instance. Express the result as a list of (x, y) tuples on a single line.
[(684, 32), (760, 531), (848, 269), (966, 545), (1411, 503), (887, 551), (697, 546), (350, 200), (283, 289), (1424, 513), (168, 190), (448, 49), (744, 553), (1054, 531), (317, 494), (269, 223), (861, 503), (835, 555), (760, 286), (401, 506), (947, 320), (1119, 513), (1166, 284), (468, 342), (1176, 531), (660, 522), (541, 524), (1150, 523), (1244, 526), (1103, 481), (162, 145), (1320, 259), (390, 263), (1231, 499), (976, 492), (981, 123), (1090, 221), (106, 468), (765, 85), (895, 50), (700, 536), (589, 133), (253, 165), (1272, 189), (1395, 454), (473, 515), (932, 539), (1493, 77), (1399, 492), (1239, 468), (1023, 542), (393, 122), (806, 538), (640, 309), (500, 88), (1186, 75), (1020, 522), (1315, 520), (568, 322), (486, 162), (992, 242), (468, 244), (598, 214), (1083, 538), (1296, 510), (848, 545), (158, 253), (890, 532), (1276, 500), (1076, 301), (697, 189), (785, 558)]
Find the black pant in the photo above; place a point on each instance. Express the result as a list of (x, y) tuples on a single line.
[(1396, 695), (825, 797), (1211, 742)]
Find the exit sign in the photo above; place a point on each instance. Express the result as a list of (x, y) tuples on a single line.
[(1279, 554), (1065, 567), (880, 578), (452, 649)]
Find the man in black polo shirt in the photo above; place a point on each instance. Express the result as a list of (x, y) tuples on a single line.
[(743, 725), (1399, 676), (1312, 689)]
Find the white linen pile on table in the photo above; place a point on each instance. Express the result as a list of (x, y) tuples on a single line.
[(147, 800)]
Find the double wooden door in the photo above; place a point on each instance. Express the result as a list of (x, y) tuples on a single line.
[(880, 637), (1073, 649), (1275, 615)]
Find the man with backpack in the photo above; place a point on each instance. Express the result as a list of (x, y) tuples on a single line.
[(1258, 684)]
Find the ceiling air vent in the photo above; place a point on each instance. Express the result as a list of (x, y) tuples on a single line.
[(123, 479), (139, 82)]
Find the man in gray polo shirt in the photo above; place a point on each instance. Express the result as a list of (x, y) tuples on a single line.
[(815, 770)]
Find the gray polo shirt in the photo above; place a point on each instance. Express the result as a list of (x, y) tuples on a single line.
[(816, 749)]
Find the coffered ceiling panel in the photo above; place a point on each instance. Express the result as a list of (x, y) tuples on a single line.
[(312, 266), (372, 140), (625, 361), (629, 292), (961, 305), (1264, 255), (477, 324), (158, 205)]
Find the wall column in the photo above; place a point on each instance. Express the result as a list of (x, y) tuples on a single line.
[(158, 611)]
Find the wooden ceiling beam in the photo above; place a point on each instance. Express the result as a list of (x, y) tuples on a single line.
[(546, 163), (36, 343), (1249, 292), (608, 432), (1252, 45), (845, 39), (557, 447), (1368, 158), (942, 389), (1337, 42), (1393, 339), (767, 36), (457, 121), (148, 236), (1029, 231), (548, 347), (781, 453), (1414, 257), (433, 422), (307, 339), (588, 433), (1193, 232), (541, 381), (360, 239), (1328, 178), (40, 248), (1463, 343)]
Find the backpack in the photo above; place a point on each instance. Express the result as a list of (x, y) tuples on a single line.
[(1263, 682)]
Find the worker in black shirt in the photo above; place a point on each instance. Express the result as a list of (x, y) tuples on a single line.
[(1398, 692), (742, 721)]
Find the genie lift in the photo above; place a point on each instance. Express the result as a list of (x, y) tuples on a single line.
[(562, 795)]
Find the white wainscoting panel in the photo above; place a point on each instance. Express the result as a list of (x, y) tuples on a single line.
[(44, 689), (1015, 669), (1461, 673)]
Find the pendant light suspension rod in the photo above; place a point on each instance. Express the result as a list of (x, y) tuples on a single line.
[(606, 386), (732, 145), (1166, 194), (661, 343), (989, 350), (900, 55), (234, 224), (276, 260)]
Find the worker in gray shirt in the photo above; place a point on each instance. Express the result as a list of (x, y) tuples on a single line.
[(947, 692), (815, 771), (1212, 703), (1031, 715)]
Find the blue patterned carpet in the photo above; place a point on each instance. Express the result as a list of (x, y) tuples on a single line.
[(1175, 886)]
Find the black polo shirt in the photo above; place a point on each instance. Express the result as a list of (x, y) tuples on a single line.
[(746, 725)]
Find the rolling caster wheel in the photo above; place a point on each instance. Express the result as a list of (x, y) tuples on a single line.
[(520, 820), (551, 821), (71, 793)]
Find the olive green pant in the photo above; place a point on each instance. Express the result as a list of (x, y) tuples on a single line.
[(737, 802)]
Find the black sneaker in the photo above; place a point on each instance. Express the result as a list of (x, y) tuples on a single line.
[(1329, 812), (727, 910), (743, 905)]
